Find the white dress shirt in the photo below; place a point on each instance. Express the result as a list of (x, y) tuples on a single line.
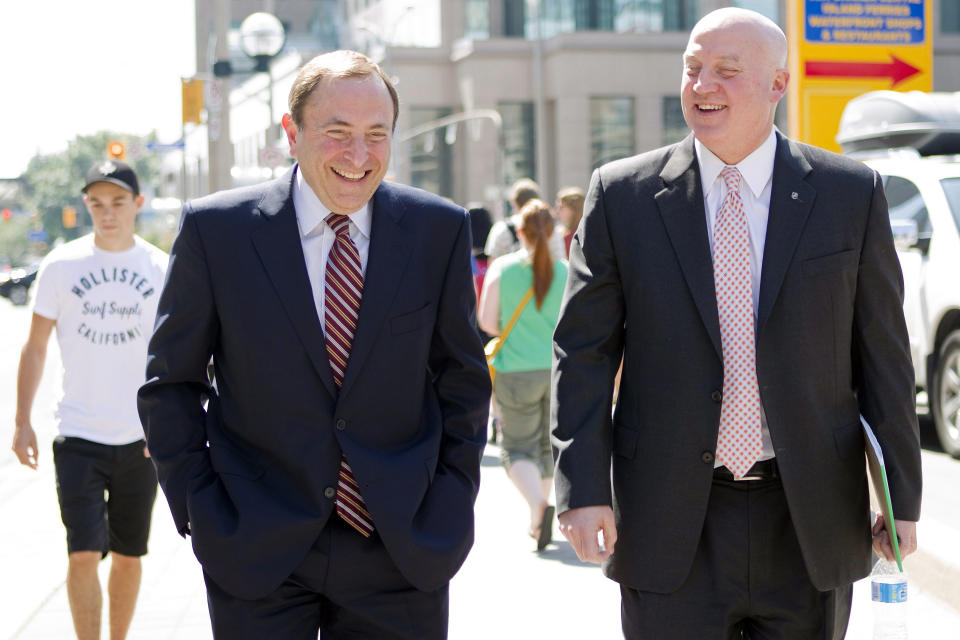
[(757, 172), (317, 237)]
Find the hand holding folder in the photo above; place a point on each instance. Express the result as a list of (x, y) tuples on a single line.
[(878, 475)]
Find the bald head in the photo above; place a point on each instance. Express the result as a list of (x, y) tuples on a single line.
[(733, 78), (754, 25)]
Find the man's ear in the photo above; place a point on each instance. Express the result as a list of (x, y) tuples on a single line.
[(780, 80), (139, 200), (290, 127)]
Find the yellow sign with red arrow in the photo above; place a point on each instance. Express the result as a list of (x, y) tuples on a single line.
[(840, 49)]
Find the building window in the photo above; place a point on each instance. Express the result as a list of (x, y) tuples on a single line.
[(949, 17), (612, 129), (431, 156), (593, 15), (566, 16), (514, 18), (768, 8), (519, 141), (477, 17), (673, 126), (655, 15)]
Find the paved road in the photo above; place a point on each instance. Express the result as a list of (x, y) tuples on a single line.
[(505, 589)]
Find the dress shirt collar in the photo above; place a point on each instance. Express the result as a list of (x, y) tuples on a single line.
[(311, 213), (756, 168)]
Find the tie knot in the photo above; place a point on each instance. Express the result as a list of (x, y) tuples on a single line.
[(731, 177), (339, 223)]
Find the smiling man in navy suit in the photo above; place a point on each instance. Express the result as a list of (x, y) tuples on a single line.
[(328, 480)]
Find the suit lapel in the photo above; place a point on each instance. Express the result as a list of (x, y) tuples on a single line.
[(682, 210), (390, 247), (791, 200), (277, 242)]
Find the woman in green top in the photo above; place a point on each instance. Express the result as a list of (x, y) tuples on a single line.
[(522, 384)]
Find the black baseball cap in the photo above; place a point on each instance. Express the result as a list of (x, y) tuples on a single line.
[(114, 172)]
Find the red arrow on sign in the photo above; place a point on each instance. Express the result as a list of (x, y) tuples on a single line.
[(897, 70)]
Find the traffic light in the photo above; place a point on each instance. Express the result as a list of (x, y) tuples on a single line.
[(192, 97), (116, 150), (69, 216), (6, 214)]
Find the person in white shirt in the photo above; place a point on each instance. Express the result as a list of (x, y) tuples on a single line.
[(100, 292), (503, 238)]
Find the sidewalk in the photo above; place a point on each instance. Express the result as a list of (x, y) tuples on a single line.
[(504, 591)]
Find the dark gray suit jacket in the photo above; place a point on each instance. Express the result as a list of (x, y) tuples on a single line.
[(253, 472), (831, 345)]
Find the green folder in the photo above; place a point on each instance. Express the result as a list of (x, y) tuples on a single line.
[(878, 474)]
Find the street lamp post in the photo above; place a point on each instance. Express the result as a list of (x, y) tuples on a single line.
[(262, 37)]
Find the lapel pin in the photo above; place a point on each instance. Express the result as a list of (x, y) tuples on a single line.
[(794, 195)]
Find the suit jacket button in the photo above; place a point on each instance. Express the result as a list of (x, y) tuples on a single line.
[(707, 457), (329, 492), (341, 424), (716, 396)]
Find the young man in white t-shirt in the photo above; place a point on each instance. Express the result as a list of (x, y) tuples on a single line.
[(100, 292)]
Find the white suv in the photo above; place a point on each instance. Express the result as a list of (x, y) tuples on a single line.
[(923, 194)]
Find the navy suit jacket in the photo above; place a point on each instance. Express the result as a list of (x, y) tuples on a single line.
[(250, 468), (831, 345)]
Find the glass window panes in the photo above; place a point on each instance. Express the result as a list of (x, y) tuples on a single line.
[(768, 8), (949, 16), (477, 18), (654, 15), (612, 129), (519, 141), (594, 15), (431, 157), (514, 14), (951, 188), (565, 16), (904, 202), (673, 126)]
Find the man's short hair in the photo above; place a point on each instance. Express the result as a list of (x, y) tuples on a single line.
[(336, 64), (523, 191)]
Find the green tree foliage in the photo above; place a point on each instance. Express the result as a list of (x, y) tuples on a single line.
[(15, 246), (53, 181)]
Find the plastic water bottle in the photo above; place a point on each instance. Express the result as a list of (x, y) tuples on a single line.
[(888, 587)]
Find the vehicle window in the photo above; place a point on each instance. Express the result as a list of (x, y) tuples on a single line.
[(905, 203), (951, 187)]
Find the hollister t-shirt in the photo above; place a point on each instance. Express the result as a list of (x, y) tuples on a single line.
[(105, 304)]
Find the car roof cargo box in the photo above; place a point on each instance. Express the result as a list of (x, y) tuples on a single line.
[(926, 122)]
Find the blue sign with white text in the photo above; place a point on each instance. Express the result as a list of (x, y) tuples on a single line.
[(893, 22)]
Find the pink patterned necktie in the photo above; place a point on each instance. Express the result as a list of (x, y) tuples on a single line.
[(739, 441), (343, 288)]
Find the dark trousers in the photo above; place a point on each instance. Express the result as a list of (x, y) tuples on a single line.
[(346, 588), (748, 579)]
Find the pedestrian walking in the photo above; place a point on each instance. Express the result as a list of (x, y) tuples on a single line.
[(520, 303), (751, 285), (503, 237), (100, 293), (328, 481), (569, 211)]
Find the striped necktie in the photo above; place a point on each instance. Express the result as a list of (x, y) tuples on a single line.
[(343, 288), (739, 440)]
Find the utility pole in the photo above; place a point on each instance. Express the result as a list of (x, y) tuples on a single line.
[(539, 112), (218, 129)]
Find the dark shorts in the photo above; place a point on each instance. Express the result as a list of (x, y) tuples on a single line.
[(106, 495)]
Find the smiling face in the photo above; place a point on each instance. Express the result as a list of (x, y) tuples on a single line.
[(733, 77), (113, 210), (343, 143)]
